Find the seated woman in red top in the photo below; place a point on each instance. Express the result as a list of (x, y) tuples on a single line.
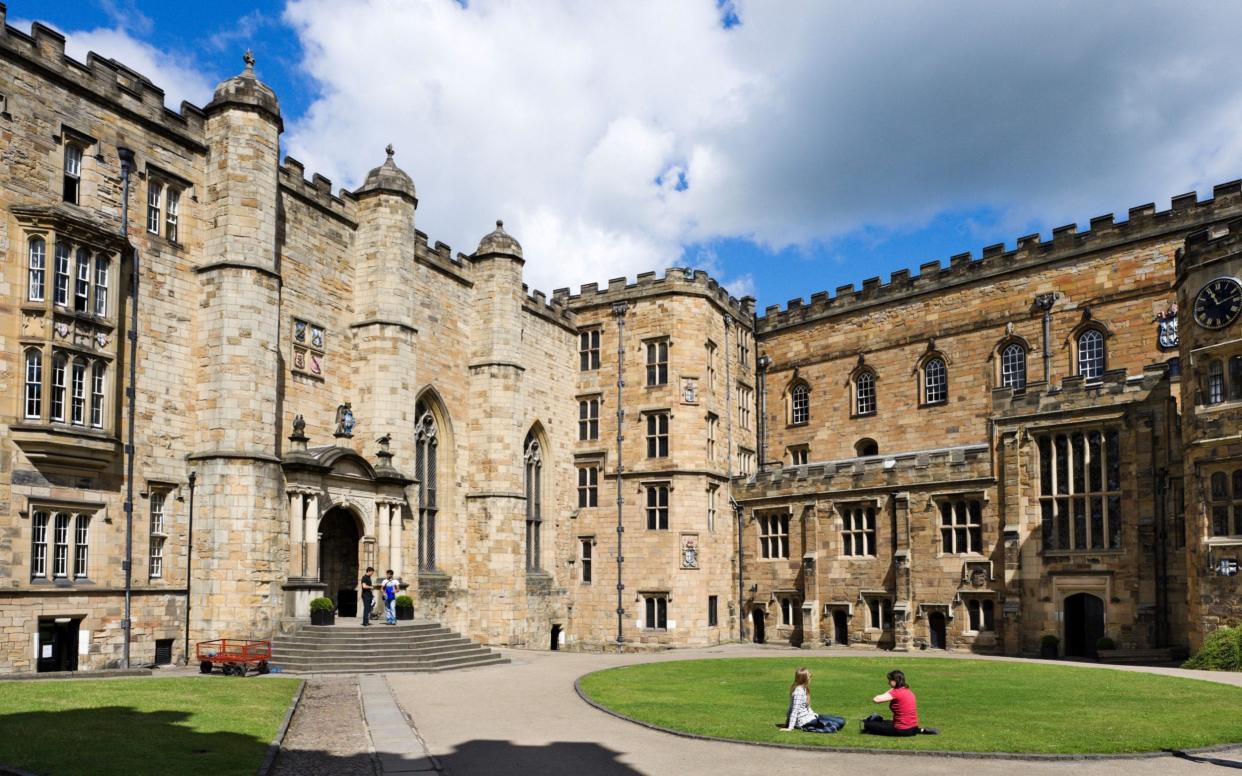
[(904, 705)]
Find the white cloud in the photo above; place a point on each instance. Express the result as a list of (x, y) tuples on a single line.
[(176, 74), (609, 135)]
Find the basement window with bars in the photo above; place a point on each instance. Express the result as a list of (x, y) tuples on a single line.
[(1080, 490)]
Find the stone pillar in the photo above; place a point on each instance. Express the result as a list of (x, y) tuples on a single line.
[(398, 536), (312, 537), (903, 599), (383, 550), (297, 527)]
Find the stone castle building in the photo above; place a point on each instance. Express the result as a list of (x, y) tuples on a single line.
[(1007, 447)]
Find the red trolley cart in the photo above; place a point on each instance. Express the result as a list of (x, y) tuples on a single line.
[(234, 656)]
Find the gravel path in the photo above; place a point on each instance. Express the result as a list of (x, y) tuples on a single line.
[(327, 736)]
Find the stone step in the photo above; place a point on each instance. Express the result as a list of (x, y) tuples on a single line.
[(329, 631), (345, 654), (298, 641), (395, 667), (372, 664)]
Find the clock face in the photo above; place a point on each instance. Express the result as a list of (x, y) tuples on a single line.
[(1218, 303)]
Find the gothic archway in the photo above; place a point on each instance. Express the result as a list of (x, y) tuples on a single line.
[(1084, 624), (340, 534)]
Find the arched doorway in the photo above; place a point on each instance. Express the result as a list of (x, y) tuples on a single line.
[(339, 535), (936, 628), (556, 637), (756, 617), (840, 628), (1084, 624)]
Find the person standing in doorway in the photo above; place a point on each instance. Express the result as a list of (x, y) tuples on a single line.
[(390, 586), (368, 596)]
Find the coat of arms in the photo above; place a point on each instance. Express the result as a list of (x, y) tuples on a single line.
[(1166, 328)]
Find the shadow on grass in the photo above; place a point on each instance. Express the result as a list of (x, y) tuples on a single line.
[(561, 758), (124, 741)]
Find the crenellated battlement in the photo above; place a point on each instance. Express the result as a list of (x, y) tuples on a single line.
[(1217, 242), (553, 309), (676, 280), (126, 90), (1143, 222), (441, 257), (1077, 393), (937, 466), (318, 191)]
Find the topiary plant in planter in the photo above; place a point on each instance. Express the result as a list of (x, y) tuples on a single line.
[(322, 611), (1049, 646), (405, 607)]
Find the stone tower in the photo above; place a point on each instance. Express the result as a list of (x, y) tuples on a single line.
[(240, 549)]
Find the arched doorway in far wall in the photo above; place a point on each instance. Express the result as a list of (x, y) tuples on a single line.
[(756, 616), (840, 627), (937, 630), (339, 541), (1084, 624)]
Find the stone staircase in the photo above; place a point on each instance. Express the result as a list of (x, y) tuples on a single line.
[(406, 646)]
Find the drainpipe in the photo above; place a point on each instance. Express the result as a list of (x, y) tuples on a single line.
[(737, 508), (763, 364), (1044, 302), (127, 162), (189, 555), (618, 311)]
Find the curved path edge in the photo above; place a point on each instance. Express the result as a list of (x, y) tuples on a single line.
[(273, 748), (1029, 756)]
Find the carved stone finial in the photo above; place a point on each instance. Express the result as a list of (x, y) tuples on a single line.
[(248, 58), (500, 224), (389, 150)]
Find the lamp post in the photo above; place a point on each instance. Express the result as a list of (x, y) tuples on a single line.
[(189, 555)]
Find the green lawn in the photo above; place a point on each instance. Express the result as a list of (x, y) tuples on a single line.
[(188, 725), (980, 706)]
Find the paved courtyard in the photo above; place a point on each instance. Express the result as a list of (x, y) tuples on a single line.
[(525, 719)]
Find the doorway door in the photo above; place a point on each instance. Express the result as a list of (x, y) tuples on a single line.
[(339, 538), (840, 628), (58, 644), (1084, 624), (756, 617), (556, 637), (936, 626)]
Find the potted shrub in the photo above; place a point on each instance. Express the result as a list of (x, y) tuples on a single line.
[(323, 612), (405, 607), (1049, 646), (1104, 644)]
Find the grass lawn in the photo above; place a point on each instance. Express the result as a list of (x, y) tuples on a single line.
[(979, 706), (187, 725)]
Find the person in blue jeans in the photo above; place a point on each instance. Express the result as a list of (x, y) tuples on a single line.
[(801, 716), (368, 597), (390, 588)]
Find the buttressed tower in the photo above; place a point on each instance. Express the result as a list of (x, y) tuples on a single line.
[(238, 552)]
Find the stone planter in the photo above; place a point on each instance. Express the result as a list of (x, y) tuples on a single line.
[(405, 612), (1048, 651), (323, 618)]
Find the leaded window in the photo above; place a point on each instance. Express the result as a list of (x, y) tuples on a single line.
[(172, 216), (155, 191), (78, 397), (745, 399), (534, 502), (81, 546), (711, 507), (585, 558), (588, 350), (426, 441), (1080, 490), (60, 546), (712, 422), (864, 393), (935, 381), (36, 272), (588, 420), (858, 531), (101, 286), (656, 611), (801, 404), (879, 613), (1013, 366), (657, 435), (657, 507), (774, 536), (98, 372), (1091, 354), (588, 486), (1224, 502), (961, 527), (1215, 382), (981, 614), (657, 362)]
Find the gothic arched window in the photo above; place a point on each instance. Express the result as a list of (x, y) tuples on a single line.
[(426, 442), (533, 458), (800, 404), (935, 381), (864, 393), (1013, 366), (1091, 354)]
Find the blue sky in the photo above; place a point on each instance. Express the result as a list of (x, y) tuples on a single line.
[(787, 148)]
